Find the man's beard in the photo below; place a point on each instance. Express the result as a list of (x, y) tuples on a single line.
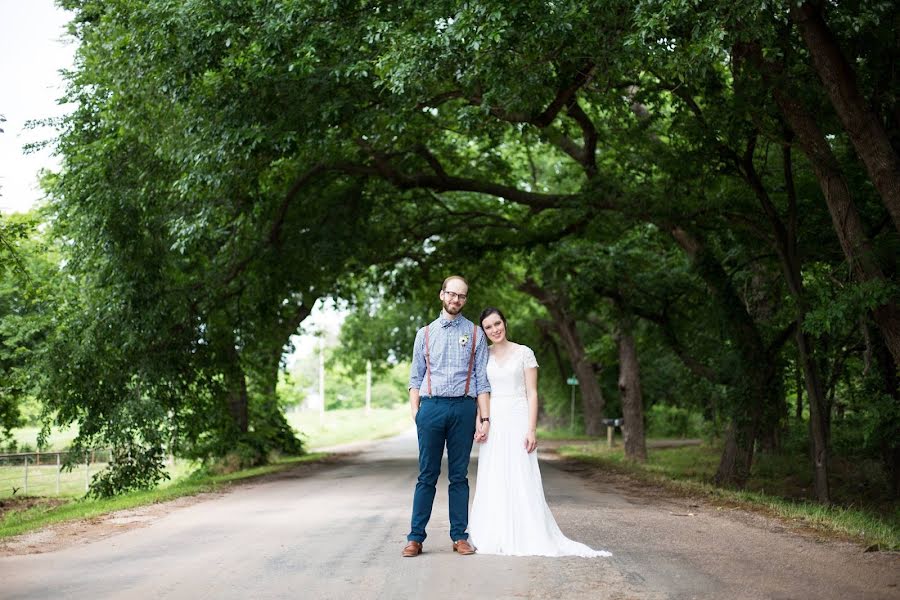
[(450, 310)]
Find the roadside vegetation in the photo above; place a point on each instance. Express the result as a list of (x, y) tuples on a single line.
[(862, 511)]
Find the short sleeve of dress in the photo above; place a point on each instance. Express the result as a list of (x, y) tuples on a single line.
[(529, 358)]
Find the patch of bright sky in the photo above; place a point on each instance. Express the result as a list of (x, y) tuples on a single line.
[(33, 48), (326, 318)]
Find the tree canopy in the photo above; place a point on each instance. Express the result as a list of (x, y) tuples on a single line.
[(706, 188)]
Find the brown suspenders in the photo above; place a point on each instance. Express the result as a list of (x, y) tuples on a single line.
[(427, 360), (471, 359)]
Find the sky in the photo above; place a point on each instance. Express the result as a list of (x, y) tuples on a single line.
[(33, 48)]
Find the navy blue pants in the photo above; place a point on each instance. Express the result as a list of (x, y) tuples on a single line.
[(441, 421)]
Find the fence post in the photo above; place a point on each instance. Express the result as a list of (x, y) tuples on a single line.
[(26, 476), (58, 469), (87, 470)]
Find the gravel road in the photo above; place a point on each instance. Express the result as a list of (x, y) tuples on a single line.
[(336, 531)]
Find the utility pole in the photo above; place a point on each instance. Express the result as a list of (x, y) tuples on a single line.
[(321, 379), (368, 387)]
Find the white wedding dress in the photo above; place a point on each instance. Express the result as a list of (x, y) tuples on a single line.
[(509, 513)]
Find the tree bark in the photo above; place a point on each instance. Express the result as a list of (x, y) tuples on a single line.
[(236, 384), (630, 391), (222, 340), (785, 241), (847, 222), (591, 395), (860, 120), (756, 385), (818, 423), (265, 412)]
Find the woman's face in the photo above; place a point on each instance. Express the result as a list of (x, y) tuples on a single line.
[(494, 328)]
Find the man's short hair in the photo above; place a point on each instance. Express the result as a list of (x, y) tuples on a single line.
[(451, 278)]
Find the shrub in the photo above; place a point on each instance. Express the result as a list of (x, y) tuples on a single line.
[(673, 421)]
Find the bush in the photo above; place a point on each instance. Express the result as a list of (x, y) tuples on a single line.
[(673, 421)]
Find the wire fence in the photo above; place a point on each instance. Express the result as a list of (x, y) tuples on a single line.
[(44, 474)]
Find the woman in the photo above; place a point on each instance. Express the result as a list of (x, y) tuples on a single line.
[(509, 513)]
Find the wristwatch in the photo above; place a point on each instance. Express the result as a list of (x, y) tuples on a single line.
[(485, 419)]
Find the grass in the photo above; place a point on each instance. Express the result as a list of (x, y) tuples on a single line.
[(58, 439), (689, 470), (349, 425), (42, 479), (561, 434)]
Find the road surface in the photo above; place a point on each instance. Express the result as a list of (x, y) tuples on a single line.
[(336, 531)]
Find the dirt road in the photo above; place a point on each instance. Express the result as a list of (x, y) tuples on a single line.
[(337, 532)]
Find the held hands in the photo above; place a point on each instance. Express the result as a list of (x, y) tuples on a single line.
[(481, 432), (530, 442)]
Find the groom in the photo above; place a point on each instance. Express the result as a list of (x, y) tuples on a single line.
[(448, 373)]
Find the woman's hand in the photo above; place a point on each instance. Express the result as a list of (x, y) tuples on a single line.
[(530, 442)]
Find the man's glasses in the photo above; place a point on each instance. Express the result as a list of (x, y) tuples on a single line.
[(454, 296)]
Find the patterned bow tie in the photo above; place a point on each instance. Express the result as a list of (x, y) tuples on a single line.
[(449, 322)]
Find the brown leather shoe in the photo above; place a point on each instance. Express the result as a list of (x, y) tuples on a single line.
[(413, 548), (463, 547)]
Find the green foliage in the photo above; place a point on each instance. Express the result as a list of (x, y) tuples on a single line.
[(672, 421), (131, 468), (228, 164), (838, 306)]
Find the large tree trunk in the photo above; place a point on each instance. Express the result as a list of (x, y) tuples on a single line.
[(228, 360), (818, 423), (847, 223), (756, 384), (785, 238), (862, 123), (266, 414), (591, 396), (630, 390), (236, 385)]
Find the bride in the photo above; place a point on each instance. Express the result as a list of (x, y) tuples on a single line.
[(509, 513)]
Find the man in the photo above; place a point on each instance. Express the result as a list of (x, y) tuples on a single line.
[(448, 374)]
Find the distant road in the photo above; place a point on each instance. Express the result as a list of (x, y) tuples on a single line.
[(336, 531)]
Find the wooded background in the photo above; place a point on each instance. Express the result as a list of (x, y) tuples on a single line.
[(707, 189)]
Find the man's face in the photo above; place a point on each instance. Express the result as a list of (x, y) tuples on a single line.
[(454, 296)]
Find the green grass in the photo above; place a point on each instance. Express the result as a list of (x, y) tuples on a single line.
[(58, 439), (42, 479), (689, 470), (20, 521), (560, 434), (349, 425)]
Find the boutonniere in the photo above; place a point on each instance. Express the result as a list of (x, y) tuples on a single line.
[(463, 340)]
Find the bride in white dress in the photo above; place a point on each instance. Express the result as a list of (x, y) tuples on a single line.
[(509, 513)]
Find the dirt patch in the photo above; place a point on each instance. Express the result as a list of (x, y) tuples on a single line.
[(84, 531)]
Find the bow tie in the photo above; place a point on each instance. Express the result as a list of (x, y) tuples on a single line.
[(449, 322)]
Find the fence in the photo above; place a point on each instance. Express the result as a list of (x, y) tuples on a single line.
[(42, 473)]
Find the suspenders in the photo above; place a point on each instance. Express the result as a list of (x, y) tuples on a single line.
[(471, 359)]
